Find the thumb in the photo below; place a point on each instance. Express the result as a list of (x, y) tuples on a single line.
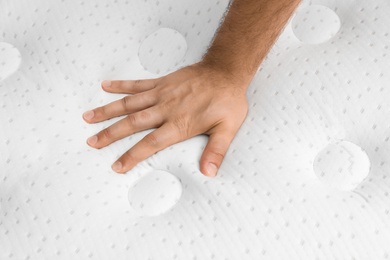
[(214, 153)]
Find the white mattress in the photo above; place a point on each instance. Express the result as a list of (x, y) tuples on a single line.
[(307, 176)]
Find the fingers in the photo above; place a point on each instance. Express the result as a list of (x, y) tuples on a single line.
[(129, 86), (145, 119), (214, 152), (156, 141), (126, 105)]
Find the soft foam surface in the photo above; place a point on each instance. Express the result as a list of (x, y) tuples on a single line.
[(307, 176)]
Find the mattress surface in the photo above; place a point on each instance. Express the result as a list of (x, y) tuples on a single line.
[(306, 177)]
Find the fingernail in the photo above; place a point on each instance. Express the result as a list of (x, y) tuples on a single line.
[(106, 83), (88, 115), (92, 140), (211, 169), (117, 166)]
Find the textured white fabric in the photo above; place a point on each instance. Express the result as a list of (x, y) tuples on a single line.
[(324, 88)]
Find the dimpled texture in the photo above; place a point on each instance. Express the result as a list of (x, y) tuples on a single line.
[(59, 199)]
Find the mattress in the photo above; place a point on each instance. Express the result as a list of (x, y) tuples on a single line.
[(306, 177)]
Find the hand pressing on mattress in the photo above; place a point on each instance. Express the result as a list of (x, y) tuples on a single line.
[(191, 101), (208, 97)]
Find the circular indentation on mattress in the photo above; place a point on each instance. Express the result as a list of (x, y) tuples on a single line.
[(315, 24), (155, 193), (162, 51), (10, 59), (342, 165)]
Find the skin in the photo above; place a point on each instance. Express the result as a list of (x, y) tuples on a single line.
[(208, 97)]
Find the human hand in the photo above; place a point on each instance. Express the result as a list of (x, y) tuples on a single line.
[(194, 100)]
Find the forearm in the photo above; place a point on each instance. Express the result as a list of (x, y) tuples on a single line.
[(246, 35)]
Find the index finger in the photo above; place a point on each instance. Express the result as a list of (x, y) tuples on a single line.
[(123, 106)]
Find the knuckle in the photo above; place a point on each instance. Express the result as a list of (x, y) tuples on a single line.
[(217, 154), (144, 115), (181, 124), (125, 102), (166, 106), (129, 158), (106, 133), (137, 86), (151, 140), (101, 111), (132, 119), (137, 82)]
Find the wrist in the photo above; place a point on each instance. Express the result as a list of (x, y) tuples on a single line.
[(233, 73)]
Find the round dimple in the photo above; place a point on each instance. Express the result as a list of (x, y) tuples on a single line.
[(10, 59), (342, 165), (162, 51), (154, 193), (315, 24)]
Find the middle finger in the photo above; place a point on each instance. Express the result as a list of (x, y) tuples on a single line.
[(126, 105), (133, 123)]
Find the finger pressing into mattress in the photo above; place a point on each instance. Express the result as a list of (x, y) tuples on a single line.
[(156, 141), (214, 152), (133, 123), (129, 86), (124, 106)]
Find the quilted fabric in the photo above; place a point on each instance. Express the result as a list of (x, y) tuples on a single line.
[(307, 176)]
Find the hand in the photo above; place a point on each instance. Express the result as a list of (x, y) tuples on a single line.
[(194, 100)]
